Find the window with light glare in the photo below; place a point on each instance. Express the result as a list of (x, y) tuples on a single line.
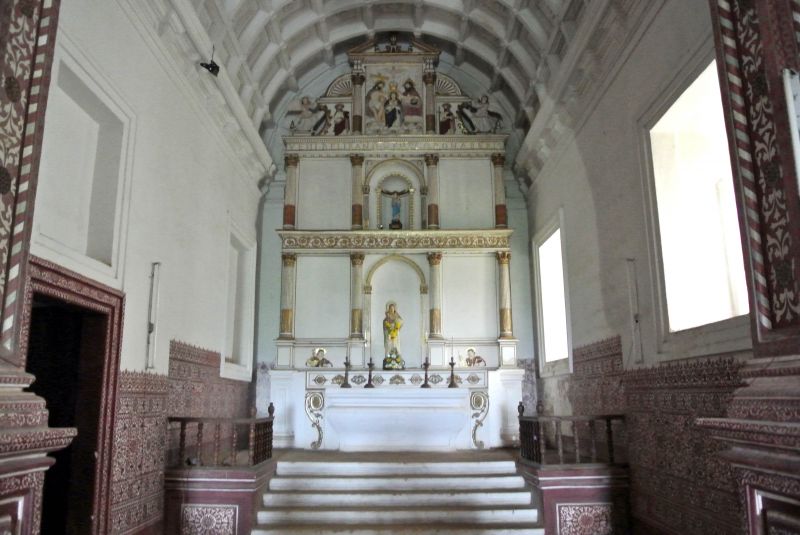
[(701, 252), (554, 342)]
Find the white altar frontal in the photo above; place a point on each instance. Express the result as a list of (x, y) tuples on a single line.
[(395, 252)]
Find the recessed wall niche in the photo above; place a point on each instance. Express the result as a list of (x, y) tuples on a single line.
[(79, 195)]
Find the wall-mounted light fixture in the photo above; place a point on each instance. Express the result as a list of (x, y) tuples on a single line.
[(211, 66)]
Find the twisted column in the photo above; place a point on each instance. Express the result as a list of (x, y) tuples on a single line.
[(429, 79), (356, 295), (290, 191), (432, 166), (435, 294), (357, 80), (288, 273), (503, 260), (500, 210), (357, 163)]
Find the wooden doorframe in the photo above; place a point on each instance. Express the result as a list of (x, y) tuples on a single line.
[(51, 280)]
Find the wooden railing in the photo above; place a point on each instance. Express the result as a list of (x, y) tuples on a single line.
[(574, 448), (214, 442)]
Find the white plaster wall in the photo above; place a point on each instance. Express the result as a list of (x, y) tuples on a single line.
[(598, 180), (466, 194), (186, 189), (322, 297), (520, 274), (269, 276), (324, 197), (397, 281), (469, 296)]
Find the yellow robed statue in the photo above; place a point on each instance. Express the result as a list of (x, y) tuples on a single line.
[(392, 323)]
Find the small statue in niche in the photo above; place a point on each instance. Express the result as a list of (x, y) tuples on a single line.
[(473, 359), (341, 120), (478, 118), (447, 119), (318, 359), (395, 223), (392, 323)]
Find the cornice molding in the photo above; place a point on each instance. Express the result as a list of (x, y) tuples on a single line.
[(395, 241), (479, 146)]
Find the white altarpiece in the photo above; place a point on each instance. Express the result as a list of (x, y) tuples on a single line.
[(447, 283)]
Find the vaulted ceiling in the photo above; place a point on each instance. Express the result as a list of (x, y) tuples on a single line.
[(276, 50)]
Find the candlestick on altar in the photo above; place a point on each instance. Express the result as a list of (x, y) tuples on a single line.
[(369, 377), (346, 382), (425, 366), (452, 373)]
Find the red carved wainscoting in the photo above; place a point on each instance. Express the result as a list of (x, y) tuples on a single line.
[(680, 482), (140, 446)]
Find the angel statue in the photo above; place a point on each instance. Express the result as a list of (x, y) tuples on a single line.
[(311, 117), (477, 118)]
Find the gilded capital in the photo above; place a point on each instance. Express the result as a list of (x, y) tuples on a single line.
[(498, 159), (504, 257), (434, 259), (356, 259), (431, 159), (289, 259), (356, 159), (291, 160)]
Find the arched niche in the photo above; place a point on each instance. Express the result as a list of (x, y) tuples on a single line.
[(397, 279), (395, 175)]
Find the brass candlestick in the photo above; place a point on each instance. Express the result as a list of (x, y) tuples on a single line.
[(425, 366), (346, 382), (452, 383), (369, 376)]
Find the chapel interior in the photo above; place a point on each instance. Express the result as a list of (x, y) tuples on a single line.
[(400, 266)]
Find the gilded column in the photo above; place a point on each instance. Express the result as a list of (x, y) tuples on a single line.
[(435, 295), (500, 210), (429, 79), (432, 165), (288, 272), (357, 79), (290, 191), (504, 259), (357, 163), (356, 295)]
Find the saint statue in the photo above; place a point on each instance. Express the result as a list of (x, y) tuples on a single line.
[(392, 323)]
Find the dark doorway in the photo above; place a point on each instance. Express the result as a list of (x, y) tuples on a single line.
[(66, 353)]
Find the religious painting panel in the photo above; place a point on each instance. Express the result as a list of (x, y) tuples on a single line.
[(393, 99)]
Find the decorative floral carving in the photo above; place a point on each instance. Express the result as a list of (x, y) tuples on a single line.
[(585, 519), (377, 379), (416, 379), (358, 379), (435, 379), (397, 379), (208, 519), (320, 380), (492, 239), (338, 379)]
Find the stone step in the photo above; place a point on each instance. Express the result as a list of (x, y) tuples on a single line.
[(452, 529), (300, 468), (373, 483), (401, 517), (397, 499)]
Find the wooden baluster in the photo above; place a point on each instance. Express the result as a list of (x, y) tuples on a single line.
[(200, 443), (216, 443), (559, 441), (182, 444), (592, 432), (251, 440), (234, 436), (540, 427), (610, 438), (577, 441)]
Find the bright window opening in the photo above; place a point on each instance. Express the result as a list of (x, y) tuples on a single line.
[(553, 310), (699, 231)]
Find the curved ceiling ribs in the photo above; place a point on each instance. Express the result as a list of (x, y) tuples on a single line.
[(275, 50)]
